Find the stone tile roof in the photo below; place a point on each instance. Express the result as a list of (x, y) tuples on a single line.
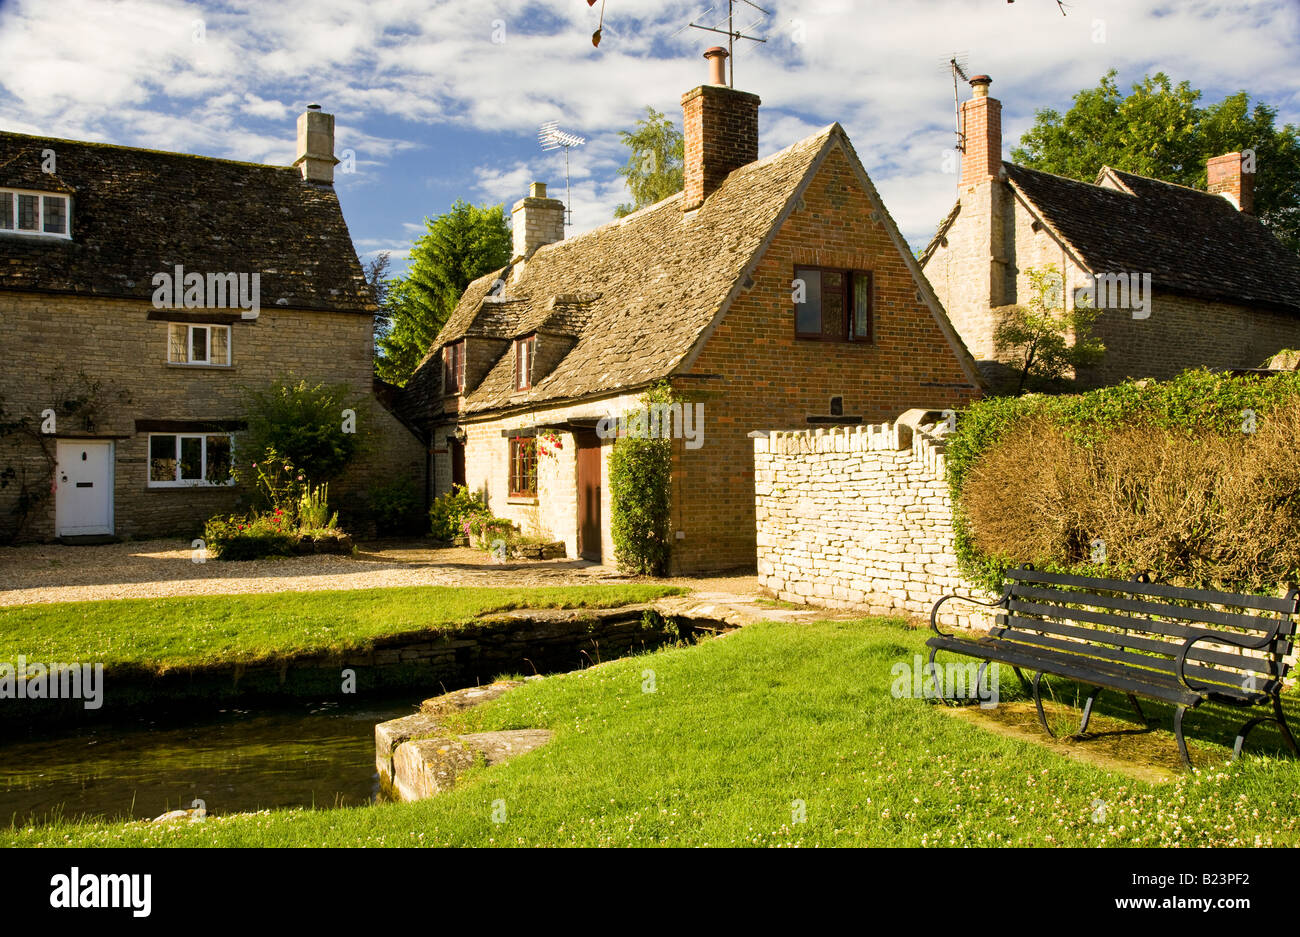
[(139, 212), (636, 293), (1192, 242)]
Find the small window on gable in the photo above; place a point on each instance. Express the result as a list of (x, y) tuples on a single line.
[(525, 356), (198, 344), (453, 368), (34, 213), (832, 305)]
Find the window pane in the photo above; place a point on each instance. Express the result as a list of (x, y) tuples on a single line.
[(176, 342), (218, 459), (808, 314), (28, 212), (198, 343), (861, 306), (220, 344), (7, 210), (191, 458), (162, 458), (56, 214), (833, 308)]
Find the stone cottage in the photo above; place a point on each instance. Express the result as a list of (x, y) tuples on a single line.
[(140, 293), (771, 294), (1182, 277)]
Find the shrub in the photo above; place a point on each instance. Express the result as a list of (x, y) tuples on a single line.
[(448, 513), (304, 423), (1193, 480), (242, 538), (395, 506), (484, 529), (640, 470), (313, 509)]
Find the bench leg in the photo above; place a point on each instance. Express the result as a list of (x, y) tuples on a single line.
[(1178, 734), (1087, 709), (934, 675), (1282, 726), (1137, 708), (1038, 703), (1278, 717)]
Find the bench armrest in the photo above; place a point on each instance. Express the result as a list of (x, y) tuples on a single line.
[(934, 612), (1223, 637)]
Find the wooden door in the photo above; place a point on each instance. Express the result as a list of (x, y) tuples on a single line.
[(588, 495)]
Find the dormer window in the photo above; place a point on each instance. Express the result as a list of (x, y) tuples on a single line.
[(39, 213), (453, 368), (525, 355)]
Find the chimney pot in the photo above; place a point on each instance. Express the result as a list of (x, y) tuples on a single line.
[(537, 190), (717, 57), (980, 86), (316, 145)]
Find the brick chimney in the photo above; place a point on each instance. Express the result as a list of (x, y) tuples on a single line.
[(720, 126), (316, 145), (981, 119), (535, 221), (1226, 176)]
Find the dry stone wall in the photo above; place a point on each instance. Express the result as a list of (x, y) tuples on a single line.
[(858, 518)]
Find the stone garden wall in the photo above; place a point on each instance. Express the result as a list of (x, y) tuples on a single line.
[(857, 518)]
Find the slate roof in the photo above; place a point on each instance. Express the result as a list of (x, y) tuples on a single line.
[(637, 293), (1192, 242), (138, 212)]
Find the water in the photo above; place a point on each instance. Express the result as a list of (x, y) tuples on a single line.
[(304, 755)]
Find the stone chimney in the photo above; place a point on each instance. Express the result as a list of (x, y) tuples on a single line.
[(1232, 175), (535, 221), (720, 126), (316, 145), (981, 120)]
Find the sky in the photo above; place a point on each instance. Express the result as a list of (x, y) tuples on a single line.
[(441, 99)]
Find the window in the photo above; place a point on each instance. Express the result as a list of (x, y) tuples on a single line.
[(182, 460), (198, 344), (525, 354), (523, 466), (453, 368), (836, 304), (34, 213)]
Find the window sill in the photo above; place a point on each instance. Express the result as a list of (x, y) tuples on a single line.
[(521, 499), (187, 486), (200, 367)]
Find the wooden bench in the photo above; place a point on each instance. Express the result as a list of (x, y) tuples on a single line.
[(1141, 638)]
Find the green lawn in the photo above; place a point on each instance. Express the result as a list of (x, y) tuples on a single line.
[(220, 629), (742, 733)]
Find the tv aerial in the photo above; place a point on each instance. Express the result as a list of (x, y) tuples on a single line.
[(731, 32), (551, 137), (957, 64)]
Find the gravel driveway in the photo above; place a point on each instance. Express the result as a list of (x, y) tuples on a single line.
[(156, 568)]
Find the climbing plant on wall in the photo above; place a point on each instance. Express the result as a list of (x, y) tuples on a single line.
[(640, 469)]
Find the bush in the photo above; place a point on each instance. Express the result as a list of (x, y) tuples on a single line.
[(1193, 480), (396, 508), (640, 470), (242, 538), (448, 513), (484, 529), (303, 423)]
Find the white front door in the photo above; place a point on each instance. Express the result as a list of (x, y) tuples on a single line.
[(83, 493)]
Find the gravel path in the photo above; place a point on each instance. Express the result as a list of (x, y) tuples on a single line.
[(156, 568)]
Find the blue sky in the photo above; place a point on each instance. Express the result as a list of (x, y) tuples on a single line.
[(441, 99)]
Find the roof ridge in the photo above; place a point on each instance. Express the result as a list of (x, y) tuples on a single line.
[(144, 149)]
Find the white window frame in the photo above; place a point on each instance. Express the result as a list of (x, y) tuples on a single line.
[(189, 345), (177, 481), (12, 195)]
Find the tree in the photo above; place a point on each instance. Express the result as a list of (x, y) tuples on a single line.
[(1037, 337), (455, 249), (376, 274), (304, 423), (654, 167), (1160, 131)]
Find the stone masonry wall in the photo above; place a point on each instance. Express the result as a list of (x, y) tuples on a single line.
[(857, 518)]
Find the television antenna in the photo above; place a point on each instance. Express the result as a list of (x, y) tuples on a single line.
[(731, 32), (551, 137), (957, 64)]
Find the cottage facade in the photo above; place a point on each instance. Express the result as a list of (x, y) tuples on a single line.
[(1225, 293), (129, 372), (770, 294)]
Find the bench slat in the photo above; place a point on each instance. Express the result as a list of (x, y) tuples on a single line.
[(1177, 612), (1266, 662), (1242, 600)]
